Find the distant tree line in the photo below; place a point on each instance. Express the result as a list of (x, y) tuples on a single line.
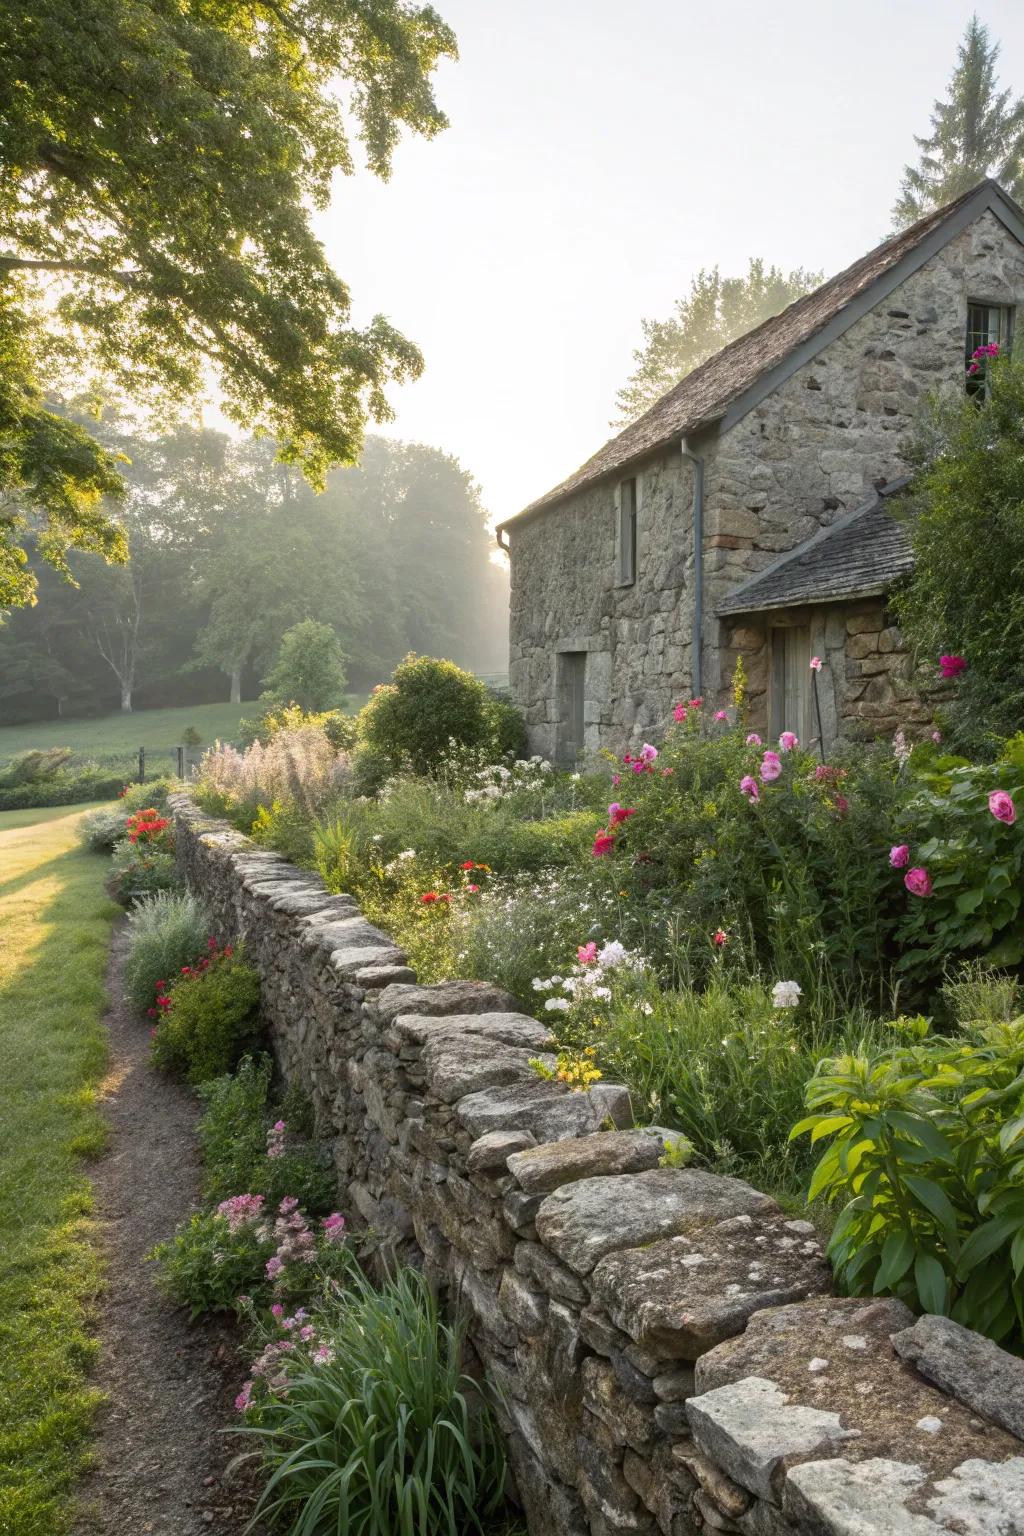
[(229, 549)]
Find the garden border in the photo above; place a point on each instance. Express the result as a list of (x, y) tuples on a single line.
[(663, 1340)]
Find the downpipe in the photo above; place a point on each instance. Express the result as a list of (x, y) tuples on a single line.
[(697, 642)]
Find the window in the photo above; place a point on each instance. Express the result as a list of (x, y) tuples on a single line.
[(627, 533), (791, 683), (988, 325), (572, 676)]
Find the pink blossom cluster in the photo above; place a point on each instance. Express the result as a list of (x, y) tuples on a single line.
[(917, 880), (241, 1210), (275, 1139)]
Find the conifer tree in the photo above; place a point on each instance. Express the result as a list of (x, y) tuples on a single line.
[(977, 131)]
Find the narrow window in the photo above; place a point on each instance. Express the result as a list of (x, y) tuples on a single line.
[(988, 325), (627, 533), (572, 677), (791, 682)]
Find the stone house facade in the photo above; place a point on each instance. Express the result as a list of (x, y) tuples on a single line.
[(746, 512)]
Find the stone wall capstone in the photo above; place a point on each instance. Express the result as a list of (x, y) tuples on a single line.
[(668, 1354)]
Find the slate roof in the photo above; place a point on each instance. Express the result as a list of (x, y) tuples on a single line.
[(703, 397), (859, 555)]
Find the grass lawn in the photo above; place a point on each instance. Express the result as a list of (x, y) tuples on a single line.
[(55, 925), (121, 736)]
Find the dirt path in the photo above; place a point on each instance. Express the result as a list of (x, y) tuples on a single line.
[(160, 1451)]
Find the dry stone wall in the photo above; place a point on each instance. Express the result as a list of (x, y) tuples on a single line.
[(668, 1354)]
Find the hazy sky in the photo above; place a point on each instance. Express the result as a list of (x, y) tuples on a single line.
[(599, 154)]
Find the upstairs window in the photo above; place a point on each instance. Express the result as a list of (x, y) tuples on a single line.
[(627, 533), (988, 326)]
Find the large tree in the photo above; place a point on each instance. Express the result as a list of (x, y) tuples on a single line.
[(158, 163), (977, 131), (715, 311)]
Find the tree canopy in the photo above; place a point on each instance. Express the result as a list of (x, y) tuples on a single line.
[(715, 311), (230, 549), (977, 131), (158, 166)]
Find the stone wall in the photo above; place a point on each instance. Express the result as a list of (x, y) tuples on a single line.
[(663, 1338), (809, 452)]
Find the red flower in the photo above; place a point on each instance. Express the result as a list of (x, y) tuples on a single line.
[(228, 949), (952, 666), (428, 897), (604, 842), (617, 813), (468, 865), (472, 889)]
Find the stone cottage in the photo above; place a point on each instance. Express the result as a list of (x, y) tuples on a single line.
[(746, 512)]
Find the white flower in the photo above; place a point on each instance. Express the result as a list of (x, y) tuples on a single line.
[(558, 1005), (539, 985), (647, 1008), (407, 853), (604, 993), (556, 981), (786, 994), (568, 985), (613, 953)]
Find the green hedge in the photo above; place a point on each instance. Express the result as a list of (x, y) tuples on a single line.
[(74, 789)]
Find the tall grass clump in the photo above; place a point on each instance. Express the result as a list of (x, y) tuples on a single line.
[(166, 931), (379, 1432)]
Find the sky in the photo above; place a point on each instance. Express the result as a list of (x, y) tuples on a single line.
[(599, 155)]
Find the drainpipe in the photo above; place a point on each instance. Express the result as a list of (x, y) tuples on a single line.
[(697, 645)]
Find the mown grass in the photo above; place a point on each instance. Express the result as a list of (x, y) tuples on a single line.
[(158, 730), (55, 925)]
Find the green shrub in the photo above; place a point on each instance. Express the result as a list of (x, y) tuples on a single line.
[(166, 931), (139, 870), (964, 866), (506, 728), (35, 766), (379, 1433), (86, 783), (926, 1156), (428, 705), (797, 867), (101, 829), (211, 1018), (154, 792), (339, 728), (248, 1252), (251, 1143), (309, 670)]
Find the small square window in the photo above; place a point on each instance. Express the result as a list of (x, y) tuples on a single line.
[(988, 325), (626, 539)]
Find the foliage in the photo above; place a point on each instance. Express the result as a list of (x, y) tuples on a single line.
[(139, 870), (250, 1142), (715, 311), (101, 829), (309, 668), (793, 867), (181, 236), (428, 706), (961, 834), (166, 931), (241, 1252), (210, 1018), (339, 728), (379, 1433), (977, 131), (965, 503), (151, 794), (926, 1155), (506, 728), (37, 766), (55, 924), (297, 767), (86, 783)]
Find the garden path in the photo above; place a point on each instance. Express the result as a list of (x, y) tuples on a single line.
[(161, 1454)]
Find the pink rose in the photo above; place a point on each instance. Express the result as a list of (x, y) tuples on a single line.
[(648, 753), (787, 741), (748, 787), (721, 714), (815, 663), (952, 666), (770, 767), (696, 703), (936, 737), (753, 740), (679, 713), (619, 813), (586, 954), (918, 882), (899, 855), (1002, 807), (719, 938)]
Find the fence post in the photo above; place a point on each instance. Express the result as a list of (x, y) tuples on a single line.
[(142, 765), (181, 762)]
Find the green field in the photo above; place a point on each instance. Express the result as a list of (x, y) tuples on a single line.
[(113, 740), (55, 923)]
